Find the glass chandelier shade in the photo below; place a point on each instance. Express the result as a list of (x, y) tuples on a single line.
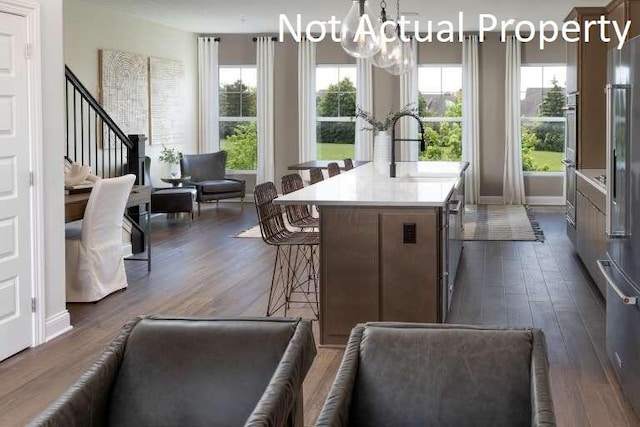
[(365, 45), (390, 48), (402, 62)]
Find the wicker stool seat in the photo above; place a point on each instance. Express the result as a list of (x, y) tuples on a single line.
[(316, 175), (298, 215), (334, 169), (348, 164), (295, 271)]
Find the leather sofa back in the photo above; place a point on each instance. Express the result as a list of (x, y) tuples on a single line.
[(179, 372), (447, 377)]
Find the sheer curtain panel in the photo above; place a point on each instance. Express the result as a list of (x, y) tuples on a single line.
[(208, 87), (409, 151), (471, 118), (513, 179), (364, 99), (307, 100), (266, 134)]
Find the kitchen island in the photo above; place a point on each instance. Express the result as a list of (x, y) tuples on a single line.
[(389, 247)]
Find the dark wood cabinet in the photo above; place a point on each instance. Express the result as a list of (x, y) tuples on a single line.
[(591, 230)]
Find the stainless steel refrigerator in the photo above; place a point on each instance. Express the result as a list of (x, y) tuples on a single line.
[(622, 266)]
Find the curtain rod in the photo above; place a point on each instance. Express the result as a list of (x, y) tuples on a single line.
[(273, 39), (215, 39)]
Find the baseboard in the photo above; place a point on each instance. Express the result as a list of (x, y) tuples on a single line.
[(546, 200), (57, 325), (490, 200), (532, 200)]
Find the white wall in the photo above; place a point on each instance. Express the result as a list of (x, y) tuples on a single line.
[(53, 139), (88, 28)]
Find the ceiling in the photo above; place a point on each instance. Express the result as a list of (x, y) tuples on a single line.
[(262, 16)]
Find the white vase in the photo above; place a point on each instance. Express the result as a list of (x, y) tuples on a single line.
[(382, 151)]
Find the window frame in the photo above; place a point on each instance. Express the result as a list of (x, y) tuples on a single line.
[(441, 119), (335, 119), (531, 119), (237, 119)]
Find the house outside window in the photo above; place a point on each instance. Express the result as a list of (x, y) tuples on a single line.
[(542, 99), (237, 117), (335, 111), (440, 108)]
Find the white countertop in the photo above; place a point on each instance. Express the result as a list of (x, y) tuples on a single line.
[(426, 184), (590, 176)]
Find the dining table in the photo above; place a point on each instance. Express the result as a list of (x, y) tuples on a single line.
[(323, 164)]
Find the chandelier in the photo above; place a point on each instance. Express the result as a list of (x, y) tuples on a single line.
[(384, 47)]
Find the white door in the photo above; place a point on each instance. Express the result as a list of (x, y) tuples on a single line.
[(15, 198)]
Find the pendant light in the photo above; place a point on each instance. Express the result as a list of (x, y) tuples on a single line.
[(403, 60), (365, 45), (390, 45)]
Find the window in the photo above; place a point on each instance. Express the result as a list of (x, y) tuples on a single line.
[(336, 110), (542, 99), (238, 134), (440, 107)]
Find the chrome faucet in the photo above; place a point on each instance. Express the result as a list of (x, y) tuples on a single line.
[(423, 143)]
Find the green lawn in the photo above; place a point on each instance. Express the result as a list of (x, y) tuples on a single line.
[(342, 151), (549, 158), (335, 151)]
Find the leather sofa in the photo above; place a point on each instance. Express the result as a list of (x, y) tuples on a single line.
[(164, 371), (207, 173), (441, 375)]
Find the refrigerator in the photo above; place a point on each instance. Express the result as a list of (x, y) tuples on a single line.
[(622, 266)]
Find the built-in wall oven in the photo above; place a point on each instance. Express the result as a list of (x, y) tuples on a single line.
[(571, 139)]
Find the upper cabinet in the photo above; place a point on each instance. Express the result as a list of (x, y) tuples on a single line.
[(622, 11), (587, 75)]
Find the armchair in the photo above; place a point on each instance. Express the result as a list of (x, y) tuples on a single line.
[(441, 375), (196, 372), (207, 173)]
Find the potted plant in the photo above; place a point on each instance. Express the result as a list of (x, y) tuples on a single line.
[(382, 138), (171, 157)]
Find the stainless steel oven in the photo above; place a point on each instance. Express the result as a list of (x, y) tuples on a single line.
[(571, 138)]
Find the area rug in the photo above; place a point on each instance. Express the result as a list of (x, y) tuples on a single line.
[(252, 233), (498, 222)]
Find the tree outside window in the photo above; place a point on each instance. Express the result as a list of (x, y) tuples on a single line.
[(542, 99), (440, 108), (335, 111), (238, 134)]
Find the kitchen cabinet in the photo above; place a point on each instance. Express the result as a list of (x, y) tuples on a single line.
[(622, 11), (587, 77), (591, 229)]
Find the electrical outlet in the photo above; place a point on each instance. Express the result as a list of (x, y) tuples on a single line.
[(409, 233)]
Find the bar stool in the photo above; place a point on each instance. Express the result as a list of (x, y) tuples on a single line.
[(334, 169), (298, 215), (294, 270), (348, 164), (316, 175)]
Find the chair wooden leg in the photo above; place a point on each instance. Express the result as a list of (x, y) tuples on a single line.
[(198, 208), (241, 202)]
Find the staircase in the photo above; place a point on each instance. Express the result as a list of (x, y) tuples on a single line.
[(94, 139)]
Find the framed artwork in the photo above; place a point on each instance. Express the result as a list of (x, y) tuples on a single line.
[(124, 90), (167, 101)]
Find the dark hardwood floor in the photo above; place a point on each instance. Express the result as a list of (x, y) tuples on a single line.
[(203, 270)]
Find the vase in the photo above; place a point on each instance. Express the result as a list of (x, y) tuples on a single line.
[(175, 170), (382, 152)]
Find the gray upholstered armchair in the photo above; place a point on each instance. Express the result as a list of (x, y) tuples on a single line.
[(207, 173), (163, 371), (441, 375)]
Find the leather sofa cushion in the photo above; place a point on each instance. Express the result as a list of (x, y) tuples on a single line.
[(190, 372), (220, 186), (177, 190), (419, 377)]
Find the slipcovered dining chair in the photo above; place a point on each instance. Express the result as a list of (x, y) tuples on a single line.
[(94, 262), (170, 371), (334, 169), (208, 176)]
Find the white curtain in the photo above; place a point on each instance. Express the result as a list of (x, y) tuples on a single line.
[(364, 99), (513, 179), (409, 128), (471, 118), (208, 86), (265, 104), (306, 100)]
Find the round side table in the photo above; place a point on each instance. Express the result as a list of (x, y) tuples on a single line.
[(176, 181)]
